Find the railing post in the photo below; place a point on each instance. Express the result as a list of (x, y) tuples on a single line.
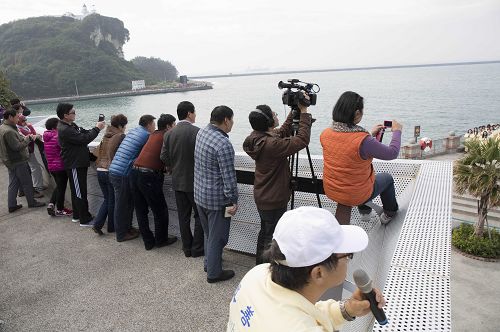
[(412, 150), (452, 141)]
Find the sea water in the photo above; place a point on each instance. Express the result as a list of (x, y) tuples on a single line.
[(439, 99)]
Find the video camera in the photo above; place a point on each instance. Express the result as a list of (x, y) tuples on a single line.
[(293, 98)]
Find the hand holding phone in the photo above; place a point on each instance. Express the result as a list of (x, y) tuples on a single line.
[(380, 135)]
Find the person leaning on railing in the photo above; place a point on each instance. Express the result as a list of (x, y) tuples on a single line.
[(104, 158), (348, 151)]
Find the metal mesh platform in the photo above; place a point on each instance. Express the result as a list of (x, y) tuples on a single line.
[(409, 258)]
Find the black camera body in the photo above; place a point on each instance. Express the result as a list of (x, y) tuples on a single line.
[(293, 95)]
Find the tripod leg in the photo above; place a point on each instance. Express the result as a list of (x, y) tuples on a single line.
[(313, 176)]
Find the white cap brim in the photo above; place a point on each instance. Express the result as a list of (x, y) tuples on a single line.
[(354, 239)]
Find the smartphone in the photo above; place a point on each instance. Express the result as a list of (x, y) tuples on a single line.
[(101, 117), (388, 124), (380, 135), (226, 212)]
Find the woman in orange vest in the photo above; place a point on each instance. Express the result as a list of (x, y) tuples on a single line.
[(348, 151)]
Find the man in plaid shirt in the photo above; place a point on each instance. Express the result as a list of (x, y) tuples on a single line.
[(215, 188)]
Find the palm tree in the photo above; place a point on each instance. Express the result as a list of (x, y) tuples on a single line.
[(478, 173)]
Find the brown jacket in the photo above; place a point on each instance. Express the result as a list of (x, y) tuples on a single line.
[(150, 153), (270, 152), (107, 149)]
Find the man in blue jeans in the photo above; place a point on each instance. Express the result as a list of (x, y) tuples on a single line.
[(215, 188), (119, 172)]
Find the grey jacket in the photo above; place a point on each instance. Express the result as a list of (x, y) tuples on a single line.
[(13, 145), (177, 153)]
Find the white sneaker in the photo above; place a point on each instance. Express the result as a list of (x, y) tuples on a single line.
[(75, 220), (385, 219)]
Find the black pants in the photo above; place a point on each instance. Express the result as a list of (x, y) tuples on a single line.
[(268, 221), (78, 185), (147, 188), (57, 198), (191, 243)]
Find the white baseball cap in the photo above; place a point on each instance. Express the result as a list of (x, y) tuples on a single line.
[(308, 235)]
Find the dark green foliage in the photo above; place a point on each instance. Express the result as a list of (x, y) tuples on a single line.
[(6, 93), (464, 239), (44, 56), (157, 70)]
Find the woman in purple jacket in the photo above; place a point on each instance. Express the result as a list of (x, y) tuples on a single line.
[(56, 168)]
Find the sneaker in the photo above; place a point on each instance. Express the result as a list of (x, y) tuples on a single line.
[(75, 220), (87, 224), (225, 275), (37, 194), (68, 212), (385, 219), (62, 213), (51, 210)]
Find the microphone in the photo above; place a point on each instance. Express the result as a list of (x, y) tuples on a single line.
[(364, 283)]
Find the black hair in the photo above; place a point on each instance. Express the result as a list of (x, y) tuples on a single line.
[(220, 113), (119, 120), (14, 101), (51, 123), (63, 108), (8, 113), (345, 108), (259, 121), (16, 107), (294, 278), (183, 109), (146, 119), (165, 120)]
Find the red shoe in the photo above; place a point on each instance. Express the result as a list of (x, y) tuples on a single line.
[(67, 211)]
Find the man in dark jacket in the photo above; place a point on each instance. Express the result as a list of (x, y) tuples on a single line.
[(270, 148), (178, 155), (14, 154), (75, 155)]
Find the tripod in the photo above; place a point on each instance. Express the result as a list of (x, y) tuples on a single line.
[(294, 161)]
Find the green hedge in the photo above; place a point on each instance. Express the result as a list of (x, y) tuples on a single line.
[(463, 238)]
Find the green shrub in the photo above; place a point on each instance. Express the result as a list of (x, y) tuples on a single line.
[(463, 238)]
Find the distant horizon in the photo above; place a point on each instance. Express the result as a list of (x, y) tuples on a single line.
[(291, 71)]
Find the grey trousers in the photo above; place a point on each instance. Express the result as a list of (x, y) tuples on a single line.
[(36, 171), (216, 231), (19, 176)]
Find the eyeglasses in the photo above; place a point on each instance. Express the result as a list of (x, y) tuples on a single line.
[(72, 112), (348, 256)]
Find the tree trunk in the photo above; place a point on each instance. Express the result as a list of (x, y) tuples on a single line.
[(483, 212)]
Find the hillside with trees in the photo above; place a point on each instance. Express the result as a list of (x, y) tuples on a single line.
[(6, 93), (157, 70), (51, 56)]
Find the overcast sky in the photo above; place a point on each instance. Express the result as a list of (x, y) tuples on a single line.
[(223, 36)]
